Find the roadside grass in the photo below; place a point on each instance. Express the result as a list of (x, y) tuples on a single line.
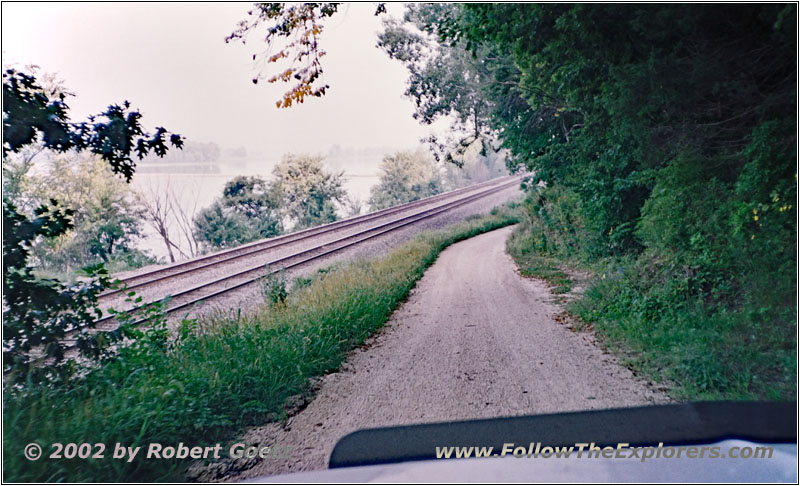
[(701, 352), (532, 263), (306, 280), (216, 375), (645, 314)]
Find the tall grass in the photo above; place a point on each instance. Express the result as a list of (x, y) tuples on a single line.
[(521, 245), (704, 335), (700, 352), (226, 373)]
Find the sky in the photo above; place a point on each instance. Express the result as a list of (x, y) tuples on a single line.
[(170, 60)]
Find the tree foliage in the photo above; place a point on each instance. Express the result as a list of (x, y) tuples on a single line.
[(30, 113), (603, 98), (105, 219), (248, 210), (38, 313), (612, 96), (292, 35), (309, 192), (301, 194), (405, 176), (445, 81), (478, 166), (300, 26)]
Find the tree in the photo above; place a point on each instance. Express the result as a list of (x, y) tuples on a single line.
[(601, 97), (106, 219), (477, 167), (405, 176), (309, 192), (164, 211), (248, 210), (37, 313), (218, 228), (445, 80), (300, 27)]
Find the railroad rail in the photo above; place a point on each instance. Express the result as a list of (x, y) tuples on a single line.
[(250, 249), (201, 293)]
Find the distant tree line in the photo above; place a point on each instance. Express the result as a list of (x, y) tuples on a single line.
[(108, 217), (193, 152), (301, 194)]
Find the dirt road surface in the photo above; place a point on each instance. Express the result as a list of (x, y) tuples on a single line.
[(474, 340)]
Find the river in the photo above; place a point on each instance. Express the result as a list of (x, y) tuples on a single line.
[(196, 186)]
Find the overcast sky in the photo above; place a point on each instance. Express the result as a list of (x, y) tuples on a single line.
[(170, 60)]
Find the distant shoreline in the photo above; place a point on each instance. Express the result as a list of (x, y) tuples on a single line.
[(222, 174)]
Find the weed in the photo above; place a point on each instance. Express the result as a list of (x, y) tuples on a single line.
[(202, 387), (273, 287)]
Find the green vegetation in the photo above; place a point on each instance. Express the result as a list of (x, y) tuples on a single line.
[(679, 327), (248, 210), (38, 312), (444, 82), (536, 264), (663, 139), (218, 375), (671, 335), (105, 221), (301, 194), (309, 192), (405, 177)]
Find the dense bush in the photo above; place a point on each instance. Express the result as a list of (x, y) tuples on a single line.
[(709, 305), (38, 313), (405, 176), (664, 137), (248, 210)]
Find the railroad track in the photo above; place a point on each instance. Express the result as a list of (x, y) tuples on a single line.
[(251, 249), (250, 274)]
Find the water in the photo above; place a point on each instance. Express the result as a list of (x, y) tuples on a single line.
[(196, 186)]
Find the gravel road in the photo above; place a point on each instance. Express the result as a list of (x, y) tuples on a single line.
[(249, 297), (474, 340)]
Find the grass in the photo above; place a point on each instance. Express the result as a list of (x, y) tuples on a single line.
[(746, 351), (218, 375), (701, 352), (535, 264)]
